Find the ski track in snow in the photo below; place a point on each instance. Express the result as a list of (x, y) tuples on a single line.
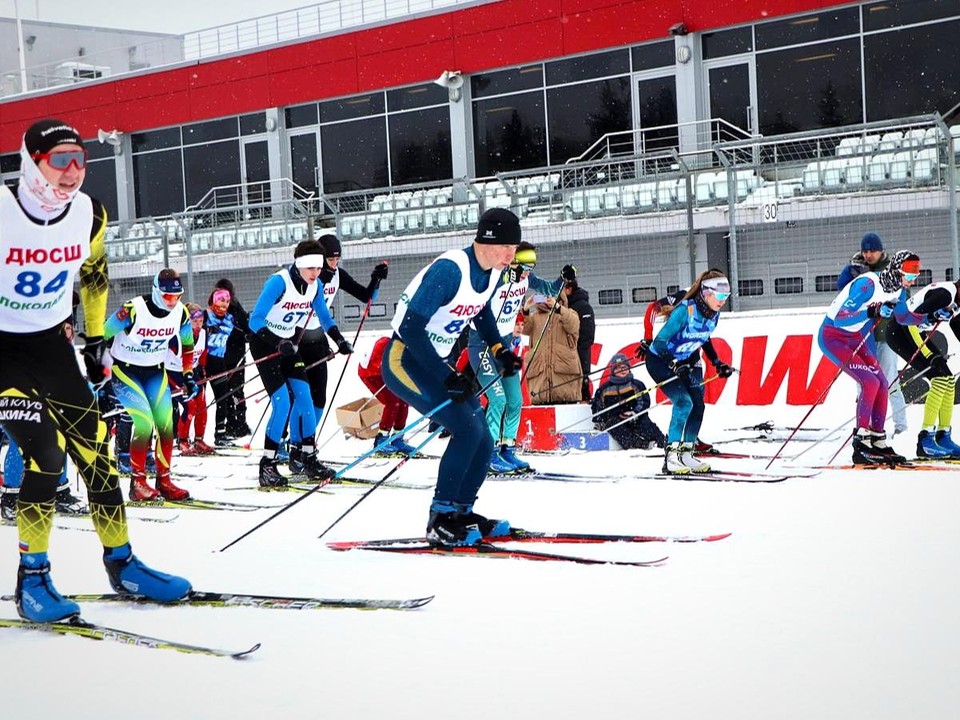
[(835, 597)]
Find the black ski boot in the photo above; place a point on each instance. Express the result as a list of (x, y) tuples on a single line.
[(863, 452), (888, 453), (314, 469), (269, 474)]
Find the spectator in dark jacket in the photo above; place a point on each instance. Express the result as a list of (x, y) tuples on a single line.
[(617, 406), (234, 356), (579, 301)]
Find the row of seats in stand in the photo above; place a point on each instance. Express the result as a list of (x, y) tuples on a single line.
[(893, 142), (252, 238), (408, 222), (710, 188), (125, 250), (914, 166)]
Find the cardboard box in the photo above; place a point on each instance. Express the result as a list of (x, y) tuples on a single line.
[(360, 418)]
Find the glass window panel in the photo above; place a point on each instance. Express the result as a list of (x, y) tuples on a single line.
[(158, 183), (653, 55), (893, 13), (95, 150), (671, 289), (612, 296), (212, 165), (926, 277), (509, 133), (811, 87), (351, 107), (420, 146), (156, 139), (644, 295), (253, 124), (354, 155), (351, 312), (581, 114), (657, 98), (303, 160), (211, 130), (301, 115), (525, 78), (417, 96), (588, 66), (727, 42), (826, 283), (894, 86), (377, 310), (10, 163), (749, 288), (788, 286), (101, 183), (808, 28)]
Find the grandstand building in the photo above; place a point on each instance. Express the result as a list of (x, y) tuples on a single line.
[(643, 140)]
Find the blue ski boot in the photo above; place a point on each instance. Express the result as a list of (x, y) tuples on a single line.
[(129, 576), (507, 454), (499, 466), (400, 446), (928, 447), (123, 463), (37, 598), (488, 527), (446, 527), (946, 442)]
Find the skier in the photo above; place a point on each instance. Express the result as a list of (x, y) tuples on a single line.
[(846, 339), (674, 356), (504, 399), (434, 310), (50, 233), (286, 302), (314, 347), (931, 305), (872, 258), (621, 406), (394, 417), (190, 412), (142, 330), (235, 354)]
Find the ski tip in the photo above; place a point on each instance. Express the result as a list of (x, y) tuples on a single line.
[(245, 653), (720, 536)]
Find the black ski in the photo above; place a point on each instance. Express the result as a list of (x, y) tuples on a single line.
[(198, 504), (82, 628), (273, 602)]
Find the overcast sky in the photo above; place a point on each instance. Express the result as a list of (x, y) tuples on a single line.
[(168, 16)]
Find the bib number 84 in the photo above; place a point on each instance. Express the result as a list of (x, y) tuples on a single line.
[(28, 283)]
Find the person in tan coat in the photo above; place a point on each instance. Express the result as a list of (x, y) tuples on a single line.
[(553, 368)]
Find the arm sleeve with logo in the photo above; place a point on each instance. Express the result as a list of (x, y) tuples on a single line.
[(94, 280)]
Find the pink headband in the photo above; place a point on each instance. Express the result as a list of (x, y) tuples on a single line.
[(221, 294)]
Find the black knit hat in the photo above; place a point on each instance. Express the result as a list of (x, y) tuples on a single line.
[(498, 226), (331, 245), (44, 135)]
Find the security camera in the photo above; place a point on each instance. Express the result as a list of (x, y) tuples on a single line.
[(450, 79), (111, 138), (679, 29)]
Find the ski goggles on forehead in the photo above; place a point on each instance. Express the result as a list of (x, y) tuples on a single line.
[(62, 160)]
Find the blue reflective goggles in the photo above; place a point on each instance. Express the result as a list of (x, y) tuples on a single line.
[(910, 277), (720, 296)]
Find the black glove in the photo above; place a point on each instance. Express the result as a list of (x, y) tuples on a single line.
[(459, 387), (509, 361), (569, 273), (93, 358), (642, 349), (939, 367), (513, 273), (680, 369), (287, 348), (190, 387), (343, 347), (882, 310), (379, 273), (723, 370)]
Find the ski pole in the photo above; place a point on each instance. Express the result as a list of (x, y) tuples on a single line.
[(599, 370), (386, 441), (618, 404), (822, 394)]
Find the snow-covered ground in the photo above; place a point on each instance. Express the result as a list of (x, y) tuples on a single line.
[(835, 597)]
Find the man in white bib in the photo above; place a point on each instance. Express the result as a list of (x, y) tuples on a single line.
[(50, 234), (437, 306)]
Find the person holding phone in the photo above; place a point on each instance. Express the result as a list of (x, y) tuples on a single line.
[(553, 367)]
